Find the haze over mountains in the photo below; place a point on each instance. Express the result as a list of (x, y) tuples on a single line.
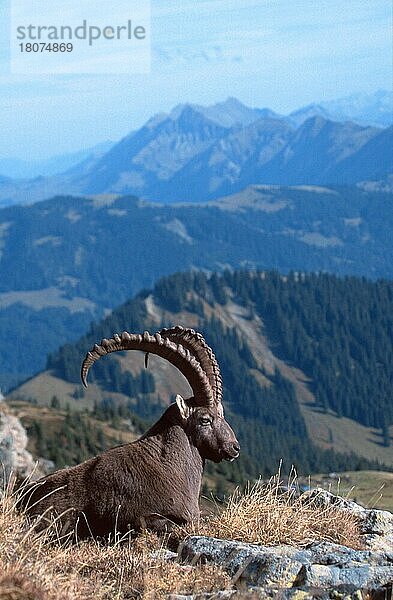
[(197, 153), (23, 169)]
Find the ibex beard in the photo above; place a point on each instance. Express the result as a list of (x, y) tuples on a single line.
[(155, 481)]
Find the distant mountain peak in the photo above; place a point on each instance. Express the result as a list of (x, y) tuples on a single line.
[(178, 110), (231, 102), (232, 112), (191, 116), (227, 113), (375, 109), (298, 117)]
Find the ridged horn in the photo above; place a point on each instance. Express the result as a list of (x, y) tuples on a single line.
[(174, 353), (197, 345)]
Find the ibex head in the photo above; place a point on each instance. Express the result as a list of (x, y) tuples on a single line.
[(202, 415), (208, 430)]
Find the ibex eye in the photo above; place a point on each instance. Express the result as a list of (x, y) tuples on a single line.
[(205, 421)]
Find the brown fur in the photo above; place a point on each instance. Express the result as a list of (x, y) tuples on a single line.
[(150, 482)]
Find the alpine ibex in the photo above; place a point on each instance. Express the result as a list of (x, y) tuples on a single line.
[(156, 480)]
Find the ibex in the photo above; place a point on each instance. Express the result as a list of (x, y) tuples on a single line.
[(155, 481)]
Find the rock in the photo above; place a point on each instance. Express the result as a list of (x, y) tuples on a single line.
[(322, 499), (361, 576), (164, 554), (13, 441), (377, 522), (327, 553), (322, 566), (323, 570), (297, 594), (46, 466), (376, 525), (377, 530), (222, 595), (248, 563)]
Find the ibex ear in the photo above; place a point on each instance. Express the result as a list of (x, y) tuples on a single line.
[(185, 410)]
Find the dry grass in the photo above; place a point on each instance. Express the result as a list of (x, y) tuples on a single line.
[(32, 567), (265, 514)]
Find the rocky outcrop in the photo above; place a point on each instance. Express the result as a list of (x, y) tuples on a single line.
[(14, 457), (322, 566), (376, 525), (321, 570)]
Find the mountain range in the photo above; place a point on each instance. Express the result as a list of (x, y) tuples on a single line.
[(68, 260), (198, 153), (375, 109)]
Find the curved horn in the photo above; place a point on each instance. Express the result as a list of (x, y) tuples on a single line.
[(196, 344), (176, 354)]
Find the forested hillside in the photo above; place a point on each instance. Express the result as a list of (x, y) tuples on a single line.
[(338, 331), (246, 317)]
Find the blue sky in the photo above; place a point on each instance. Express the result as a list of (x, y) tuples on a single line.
[(276, 53)]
